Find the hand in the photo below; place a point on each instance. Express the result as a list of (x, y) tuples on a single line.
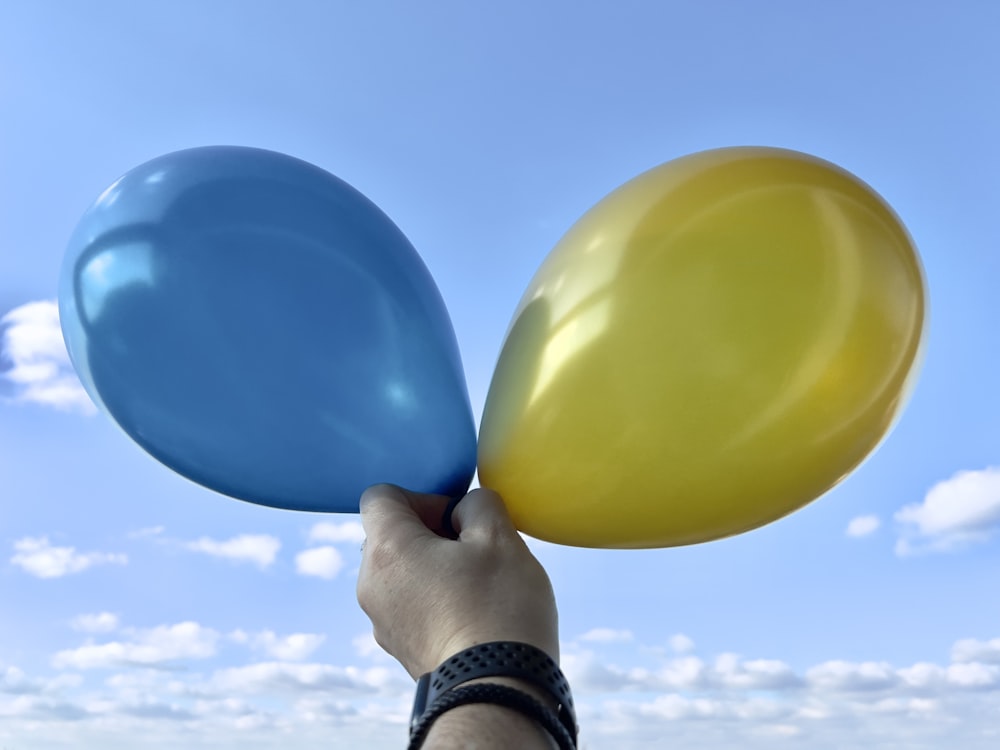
[(430, 597)]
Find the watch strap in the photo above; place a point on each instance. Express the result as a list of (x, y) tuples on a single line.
[(500, 695), (499, 659)]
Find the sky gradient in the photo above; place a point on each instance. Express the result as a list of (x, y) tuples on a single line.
[(138, 610)]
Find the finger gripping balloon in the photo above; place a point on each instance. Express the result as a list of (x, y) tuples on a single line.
[(713, 345), (262, 328)]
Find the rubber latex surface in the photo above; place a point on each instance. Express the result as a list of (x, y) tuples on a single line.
[(262, 328), (713, 345)]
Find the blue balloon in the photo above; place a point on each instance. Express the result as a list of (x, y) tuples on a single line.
[(262, 328)]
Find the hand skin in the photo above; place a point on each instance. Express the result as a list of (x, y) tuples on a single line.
[(430, 597)]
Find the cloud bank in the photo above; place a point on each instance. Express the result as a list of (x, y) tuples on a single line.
[(170, 685)]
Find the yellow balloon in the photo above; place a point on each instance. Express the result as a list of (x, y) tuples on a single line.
[(712, 346)]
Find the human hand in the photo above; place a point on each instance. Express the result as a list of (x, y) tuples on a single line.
[(430, 597)]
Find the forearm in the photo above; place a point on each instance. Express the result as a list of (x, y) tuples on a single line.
[(486, 727)]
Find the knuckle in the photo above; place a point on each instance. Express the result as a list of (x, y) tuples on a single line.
[(366, 597), (380, 639), (382, 554)]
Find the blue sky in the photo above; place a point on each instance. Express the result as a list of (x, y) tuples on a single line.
[(139, 610)]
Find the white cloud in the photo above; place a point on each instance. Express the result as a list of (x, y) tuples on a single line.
[(682, 673), (955, 513), (35, 555), (969, 649), (648, 699), (13, 681), (166, 643), (756, 674), (585, 671), (841, 675), (677, 707), (863, 526), (283, 676), (606, 635), (260, 549), (922, 675), (321, 562), (295, 647), (754, 703), (101, 622), (974, 675), (588, 671), (350, 532), (681, 644), (40, 370)]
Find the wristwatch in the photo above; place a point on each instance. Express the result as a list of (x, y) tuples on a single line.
[(498, 659)]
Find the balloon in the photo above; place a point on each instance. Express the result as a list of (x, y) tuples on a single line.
[(712, 346), (260, 327)]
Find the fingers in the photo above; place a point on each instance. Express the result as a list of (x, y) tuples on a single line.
[(482, 513), (393, 520), (388, 511)]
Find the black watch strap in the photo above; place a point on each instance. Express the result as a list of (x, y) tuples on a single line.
[(498, 695), (498, 659)]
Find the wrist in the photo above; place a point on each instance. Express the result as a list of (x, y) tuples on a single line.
[(517, 677), (487, 726)]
